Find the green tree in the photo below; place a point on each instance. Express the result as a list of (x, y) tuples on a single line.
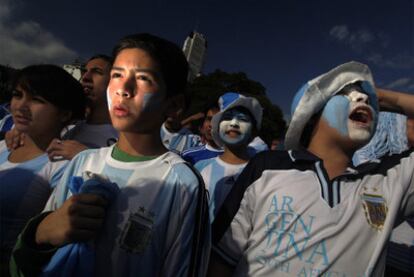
[(208, 88)]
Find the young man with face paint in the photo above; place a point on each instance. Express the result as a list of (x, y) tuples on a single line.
[(233, 128), (157, 225), (308, 211)]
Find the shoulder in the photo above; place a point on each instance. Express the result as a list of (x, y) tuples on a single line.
[(180, 171)]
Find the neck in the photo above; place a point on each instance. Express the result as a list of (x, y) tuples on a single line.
[(141, 144), (335, 159), (99, 115), (233, 155), (28, 151)]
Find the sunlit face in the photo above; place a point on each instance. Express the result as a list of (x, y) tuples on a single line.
[(351, 115), (136, 92), (95, 80), (34, 115), (236, 127)]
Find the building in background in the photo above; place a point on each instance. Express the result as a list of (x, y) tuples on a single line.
[(195, 48), (73, 70)]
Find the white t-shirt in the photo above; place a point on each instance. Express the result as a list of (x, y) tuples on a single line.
[(284, 216), (150, 225), (92, 135)]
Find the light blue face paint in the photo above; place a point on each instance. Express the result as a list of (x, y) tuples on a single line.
[(152, 101), (336, 113), (372, 95)]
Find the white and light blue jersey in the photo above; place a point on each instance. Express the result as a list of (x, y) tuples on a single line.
[(219, 177), (150, 225), (204, 152), (24, 190), (180, 141)]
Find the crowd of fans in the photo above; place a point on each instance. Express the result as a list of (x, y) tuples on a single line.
[(103, 177)]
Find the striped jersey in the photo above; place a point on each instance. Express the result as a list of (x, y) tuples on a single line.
[(24, 190), (285, 217), (203, 152), (219, 177), (180, 141), (150, 226)]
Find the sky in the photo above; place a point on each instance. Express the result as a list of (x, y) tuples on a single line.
[(281, 44)]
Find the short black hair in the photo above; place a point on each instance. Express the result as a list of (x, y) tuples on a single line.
[(55, 85), (104, 57), (168, 56)]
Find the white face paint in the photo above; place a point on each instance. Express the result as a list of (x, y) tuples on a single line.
[(236, 127), (361, 131)]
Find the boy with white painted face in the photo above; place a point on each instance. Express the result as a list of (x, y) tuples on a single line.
[(233, 128), (157, 225), (307, 211)]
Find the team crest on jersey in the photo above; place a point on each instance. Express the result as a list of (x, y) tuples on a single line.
[(138, 230), (375, 208)]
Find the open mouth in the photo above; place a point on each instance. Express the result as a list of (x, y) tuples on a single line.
[(361, 115)]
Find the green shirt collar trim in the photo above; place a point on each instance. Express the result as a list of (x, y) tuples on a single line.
[(122, 156)]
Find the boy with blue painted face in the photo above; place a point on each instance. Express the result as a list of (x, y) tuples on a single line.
[(157, 225), (308, 211), (233, 128)]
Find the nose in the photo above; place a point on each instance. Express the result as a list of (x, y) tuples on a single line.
[(356, 96), (21, 104), (86, 77), (126, 88), (234, 123)]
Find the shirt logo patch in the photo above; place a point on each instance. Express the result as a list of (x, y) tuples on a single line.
[(376, 209), (138, 230)]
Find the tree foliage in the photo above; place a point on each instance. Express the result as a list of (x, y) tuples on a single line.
[(208, 88)]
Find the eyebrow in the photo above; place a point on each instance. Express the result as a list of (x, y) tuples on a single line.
[(137, 69)]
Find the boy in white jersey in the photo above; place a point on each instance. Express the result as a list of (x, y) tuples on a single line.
[(309, 212), (233, 128), (157, 225)]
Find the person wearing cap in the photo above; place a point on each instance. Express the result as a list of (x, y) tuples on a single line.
[(307, 211), (233, 128)]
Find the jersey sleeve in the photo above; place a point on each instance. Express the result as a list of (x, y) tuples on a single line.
[(61, 191)]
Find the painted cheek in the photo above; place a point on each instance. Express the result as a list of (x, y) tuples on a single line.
[(152, 102), (246, 129), (336, 113)]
